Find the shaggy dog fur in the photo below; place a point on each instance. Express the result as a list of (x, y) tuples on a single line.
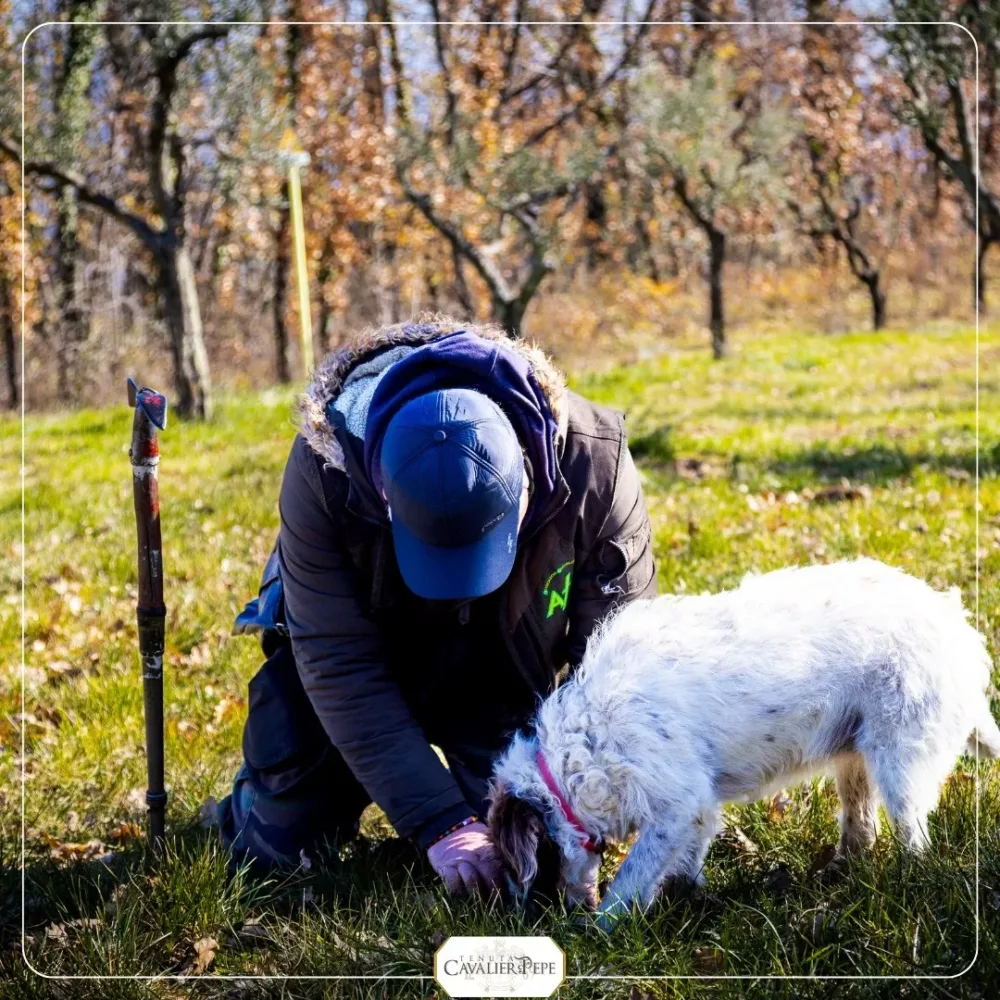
[(684, 703)]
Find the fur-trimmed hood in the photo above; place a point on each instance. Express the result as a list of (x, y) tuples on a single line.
[(331, 373)]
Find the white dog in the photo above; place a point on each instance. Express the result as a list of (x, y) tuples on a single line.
[(684, 703)]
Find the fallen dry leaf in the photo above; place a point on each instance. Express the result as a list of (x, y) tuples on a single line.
[(56, 932), (778, 805), (50, 715), (66, 853), (253, 932), (838, 494), (63, 668), (708, 960), (204, 954), (83, 923), (126, 831), (224, 709), (735, 836)]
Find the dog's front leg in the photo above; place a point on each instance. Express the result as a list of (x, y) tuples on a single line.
[(660, 852)]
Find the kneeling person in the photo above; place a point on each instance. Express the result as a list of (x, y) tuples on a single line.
[(454, 522)]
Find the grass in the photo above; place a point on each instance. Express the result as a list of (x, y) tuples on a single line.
[(798, 448)]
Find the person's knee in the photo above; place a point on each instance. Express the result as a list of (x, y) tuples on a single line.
[(271, 831)]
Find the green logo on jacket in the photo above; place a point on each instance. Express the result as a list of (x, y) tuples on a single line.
[(556, 588)]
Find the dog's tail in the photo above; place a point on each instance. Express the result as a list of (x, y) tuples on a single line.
[(986, 734)]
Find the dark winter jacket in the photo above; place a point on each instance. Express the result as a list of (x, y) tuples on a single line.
[(388, 673)]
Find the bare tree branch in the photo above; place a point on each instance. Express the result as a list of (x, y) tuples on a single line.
[(383, 10), (451, 100), (697, 213), (176, 54), (623, 63), (486, 269), (153, 238), (543, 74), (166, 76)]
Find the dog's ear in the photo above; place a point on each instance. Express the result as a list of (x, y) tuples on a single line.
[(516, 828)]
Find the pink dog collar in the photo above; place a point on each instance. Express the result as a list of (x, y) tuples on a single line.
[(593, 844)]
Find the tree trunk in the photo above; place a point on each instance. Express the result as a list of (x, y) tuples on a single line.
[(179, 292), (9, 343), (283, 237), (325, 324), (281, 290), (72, 107), (461, 286), (717, 322), (596, 214), (509, 313), (325, 318), (72, 330), (980, 278), (641, 250), (371, 66), (878, 298)]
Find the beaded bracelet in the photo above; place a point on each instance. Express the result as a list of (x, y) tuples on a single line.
[(468, 821)]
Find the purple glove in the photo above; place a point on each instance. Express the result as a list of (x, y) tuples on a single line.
[(467, 860)]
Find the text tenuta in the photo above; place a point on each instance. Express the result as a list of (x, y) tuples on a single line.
[(477, 966)]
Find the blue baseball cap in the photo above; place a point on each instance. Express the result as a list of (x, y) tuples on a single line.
[(452, 471)]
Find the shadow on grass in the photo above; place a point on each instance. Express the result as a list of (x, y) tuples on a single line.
[(654, 446), (374, 906), (878, 464), (875, 465), (153, 905)]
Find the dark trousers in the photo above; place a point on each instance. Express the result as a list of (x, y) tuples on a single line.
[(295, 792)]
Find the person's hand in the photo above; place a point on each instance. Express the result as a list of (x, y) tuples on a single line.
[(467, 860)]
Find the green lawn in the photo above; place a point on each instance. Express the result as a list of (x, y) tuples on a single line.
[(795, 449)]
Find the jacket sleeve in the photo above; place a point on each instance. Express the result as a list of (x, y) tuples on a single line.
[(619, 567), (339, 656)]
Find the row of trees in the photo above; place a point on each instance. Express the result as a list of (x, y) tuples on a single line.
[(461, 164)]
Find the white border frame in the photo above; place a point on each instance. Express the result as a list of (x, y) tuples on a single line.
[(639, 978)]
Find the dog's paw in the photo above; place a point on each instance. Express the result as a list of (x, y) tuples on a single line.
[(830, 865), (833, 871)]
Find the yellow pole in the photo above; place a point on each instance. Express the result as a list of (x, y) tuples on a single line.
[(301, 270)]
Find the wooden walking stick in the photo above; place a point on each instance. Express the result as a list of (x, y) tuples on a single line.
[(150, 415)]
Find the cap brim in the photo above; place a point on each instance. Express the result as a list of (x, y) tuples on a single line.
[(443, 573)]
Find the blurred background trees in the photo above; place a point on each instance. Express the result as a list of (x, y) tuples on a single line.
[(937, 64), (588, 183)]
